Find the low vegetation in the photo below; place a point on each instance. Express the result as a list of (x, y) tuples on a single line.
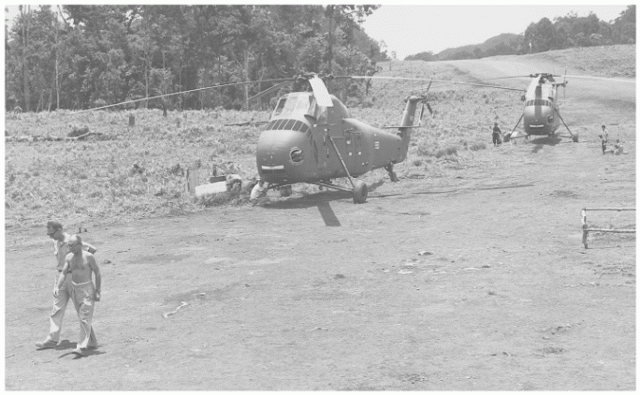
[(121, 172)]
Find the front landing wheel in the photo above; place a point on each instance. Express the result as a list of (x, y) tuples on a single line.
[(360, 192), (575, 138)]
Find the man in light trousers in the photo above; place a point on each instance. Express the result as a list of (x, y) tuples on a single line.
[(60, 301)]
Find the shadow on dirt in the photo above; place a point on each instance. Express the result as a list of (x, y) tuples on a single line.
[(542, 141), (86, 354), (313, 199), (320, 200), (328, 216)]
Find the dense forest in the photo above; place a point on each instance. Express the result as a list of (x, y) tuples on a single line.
[(564, 32), (87, 56)]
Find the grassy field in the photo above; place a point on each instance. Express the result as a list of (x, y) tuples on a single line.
[(122, 173)]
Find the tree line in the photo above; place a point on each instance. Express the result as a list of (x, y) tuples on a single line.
[(564, 32), (86, 56)]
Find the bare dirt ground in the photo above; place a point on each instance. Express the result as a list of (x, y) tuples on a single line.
[(476, 279)]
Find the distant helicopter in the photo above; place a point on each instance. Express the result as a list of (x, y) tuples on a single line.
[(541, 113), (312, 138)]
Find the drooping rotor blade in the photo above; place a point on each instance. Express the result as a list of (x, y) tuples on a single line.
[(508, 77), (179, 93), (269, 90), (590, 77), (320, 92), (443, 81), (430, 110)]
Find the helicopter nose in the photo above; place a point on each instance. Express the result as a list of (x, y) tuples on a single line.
[(281, 155), (538, 120)]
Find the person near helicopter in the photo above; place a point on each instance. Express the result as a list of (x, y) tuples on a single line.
[(496, 134)]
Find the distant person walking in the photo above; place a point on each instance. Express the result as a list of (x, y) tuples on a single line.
[(61, 297), (496, 134), (81, 265)]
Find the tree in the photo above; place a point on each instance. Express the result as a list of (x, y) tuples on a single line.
[(624, 26)]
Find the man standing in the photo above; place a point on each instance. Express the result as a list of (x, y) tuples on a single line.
[(497, 134), (81, 264), (61, 298), (605, 139)]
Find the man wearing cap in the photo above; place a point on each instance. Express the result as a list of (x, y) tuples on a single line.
[(60, 298)]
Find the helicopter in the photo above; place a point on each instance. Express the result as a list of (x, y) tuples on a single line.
[(541, 112), (312, 138)]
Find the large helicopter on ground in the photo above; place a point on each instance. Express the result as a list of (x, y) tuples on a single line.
[(312, 138)]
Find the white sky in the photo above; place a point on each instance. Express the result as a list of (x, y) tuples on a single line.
[(411, 29)]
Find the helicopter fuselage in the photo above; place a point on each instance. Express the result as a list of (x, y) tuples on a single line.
[(305, 142), (540, 108)]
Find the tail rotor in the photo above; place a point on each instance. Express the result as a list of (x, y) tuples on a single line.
[(425, 102)]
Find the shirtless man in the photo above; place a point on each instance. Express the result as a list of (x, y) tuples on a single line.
[(81, 264), (60, 251)]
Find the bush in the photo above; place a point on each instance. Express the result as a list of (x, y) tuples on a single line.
[(447, 151), (478, 146)]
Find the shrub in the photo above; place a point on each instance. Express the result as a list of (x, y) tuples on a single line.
[(478, 146), (447, 151)]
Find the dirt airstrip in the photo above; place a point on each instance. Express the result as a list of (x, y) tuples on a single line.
[(476, 279)]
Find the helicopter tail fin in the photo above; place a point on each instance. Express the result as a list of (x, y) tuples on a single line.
[(407, 123)]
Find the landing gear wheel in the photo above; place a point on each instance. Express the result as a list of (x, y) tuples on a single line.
[(575, 138), (286, 191), (360, 192), (507, 137)]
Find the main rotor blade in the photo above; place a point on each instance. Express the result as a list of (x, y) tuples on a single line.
[(180, 93), (590, 77), (443, 81), (320, 92), (269, 90)]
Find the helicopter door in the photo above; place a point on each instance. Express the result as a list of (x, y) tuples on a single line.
[(354, 154), (337, 133)]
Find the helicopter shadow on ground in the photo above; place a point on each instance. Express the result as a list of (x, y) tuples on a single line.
[(542, 141), (320, 200)]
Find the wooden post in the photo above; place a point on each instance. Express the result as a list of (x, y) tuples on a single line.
[(132, 120), (192, 176), (585, 228)]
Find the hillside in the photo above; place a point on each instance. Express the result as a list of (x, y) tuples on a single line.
[(503, 44)]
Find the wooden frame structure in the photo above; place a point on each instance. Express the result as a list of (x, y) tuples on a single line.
[(586, 229)]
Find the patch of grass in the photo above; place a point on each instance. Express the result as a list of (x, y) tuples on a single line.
[(449, 151), (478, 146)]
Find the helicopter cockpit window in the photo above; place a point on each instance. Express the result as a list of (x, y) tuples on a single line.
[(318, 112), (292, 104)]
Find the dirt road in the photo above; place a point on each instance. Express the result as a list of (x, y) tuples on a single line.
[(476, 280)]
